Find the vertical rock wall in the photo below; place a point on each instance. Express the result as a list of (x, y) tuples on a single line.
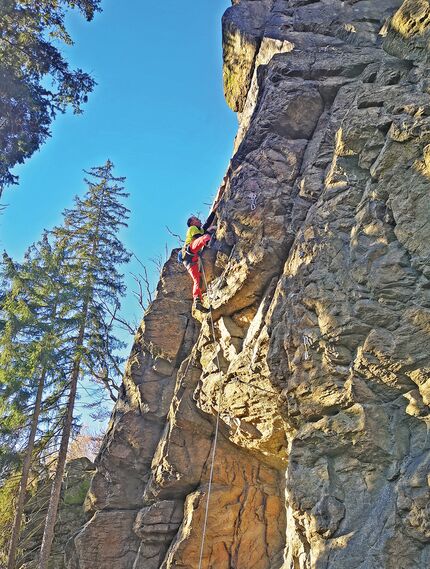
[(70, 518), (322, 319)]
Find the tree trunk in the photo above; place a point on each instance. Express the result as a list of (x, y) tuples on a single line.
[(51, 517), (16, 528), (54, 500)]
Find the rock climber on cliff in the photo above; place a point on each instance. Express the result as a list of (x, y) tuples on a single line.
[(198, 237)]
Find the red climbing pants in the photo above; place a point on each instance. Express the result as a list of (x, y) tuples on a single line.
[(194, 247)]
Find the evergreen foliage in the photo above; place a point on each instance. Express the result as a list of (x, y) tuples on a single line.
[(32, 343), (8, 492), (93, 253), (31, 358), (58, 311), (36, 81)]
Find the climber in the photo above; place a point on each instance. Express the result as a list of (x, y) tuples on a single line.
[(198, 236)]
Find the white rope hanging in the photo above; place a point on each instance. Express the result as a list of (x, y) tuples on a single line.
[(215, 441)]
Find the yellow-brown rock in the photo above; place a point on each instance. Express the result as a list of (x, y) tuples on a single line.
[(318, 363)]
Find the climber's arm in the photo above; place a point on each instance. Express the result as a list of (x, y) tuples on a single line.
[(207, 224)]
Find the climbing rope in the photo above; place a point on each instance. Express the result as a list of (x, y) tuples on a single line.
[(205, 522), (217, 423), (307, 342)]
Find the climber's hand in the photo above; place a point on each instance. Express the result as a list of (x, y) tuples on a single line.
[(215, 205)]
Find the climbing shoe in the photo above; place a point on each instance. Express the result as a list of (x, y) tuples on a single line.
[(198, 305)]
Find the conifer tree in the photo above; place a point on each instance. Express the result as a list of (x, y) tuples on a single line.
[(57, 311), (93, 253), (31, 352), (36, 81)]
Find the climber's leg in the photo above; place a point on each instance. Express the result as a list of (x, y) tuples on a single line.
[(198, 243), (194, 269), (194, 272)]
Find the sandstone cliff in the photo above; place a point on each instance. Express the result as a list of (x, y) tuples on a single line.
[(322, 319)]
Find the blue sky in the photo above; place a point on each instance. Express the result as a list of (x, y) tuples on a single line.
[(158, 113)]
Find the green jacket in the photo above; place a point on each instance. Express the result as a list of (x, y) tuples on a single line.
[(192, 232)]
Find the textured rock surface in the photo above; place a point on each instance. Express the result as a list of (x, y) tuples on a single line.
[(71, 515), (322, 319)]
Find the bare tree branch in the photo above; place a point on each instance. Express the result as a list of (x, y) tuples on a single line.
[(115, 317), (178, 237), (161, 260)]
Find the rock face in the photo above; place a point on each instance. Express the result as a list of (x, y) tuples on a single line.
[(320, 366), (71, 516)]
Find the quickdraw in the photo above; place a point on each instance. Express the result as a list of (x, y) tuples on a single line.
[(307, 344)]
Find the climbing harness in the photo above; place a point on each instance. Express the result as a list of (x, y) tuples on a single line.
[(185, 257)]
